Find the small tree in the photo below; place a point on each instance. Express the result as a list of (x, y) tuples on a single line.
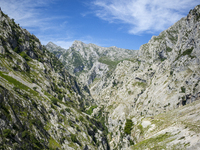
[(73, 138), (128, 126), (54, 101), (6, 133)]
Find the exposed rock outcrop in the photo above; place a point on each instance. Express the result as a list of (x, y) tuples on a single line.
[(159, 78), (41, 105)]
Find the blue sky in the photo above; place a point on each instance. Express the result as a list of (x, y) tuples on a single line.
[(122, 23)]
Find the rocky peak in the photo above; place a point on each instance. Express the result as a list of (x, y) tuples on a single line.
[(51, 44), (83, 60), (51, 47), (78, 44), (194, 13)]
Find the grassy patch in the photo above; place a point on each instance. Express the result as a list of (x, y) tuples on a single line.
[(160, 37), (186, 52), (53, 144), (140, 127), (192, 127), (18, 84), (25, 56), (110, 107), (141, 84), (96, 79), (111, 64), (157, 142)]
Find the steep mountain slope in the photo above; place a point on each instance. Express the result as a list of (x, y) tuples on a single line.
[(89, 61), (164, 76), (147, 94), (57, 50), (41, 105)]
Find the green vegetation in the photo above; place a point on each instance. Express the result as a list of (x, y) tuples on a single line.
[(68, 110), (19, 42), (53, 144), (141, 84), (186, 52), (156, 143), (5, 110), (168, 49), (16, 49), (62, 111), (90, 111), (128, 126), (111, 64), (182, 89), (129, 92), (25, 134), (162, 58), (131, 142), (160, 37), (54, 101), (6, 133), (172, 35), (77, 59), (73, 138), (4, 41), (18, 84), (114, 83), (171, 73), (195, 13), (96, 79), (81, 118), (173, 39), (140, 127), (36, 122), (25, 56)]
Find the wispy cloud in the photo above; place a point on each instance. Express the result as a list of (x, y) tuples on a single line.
[(34, 15), (64, 41), (27, 13), (143, 15), (64, 44)]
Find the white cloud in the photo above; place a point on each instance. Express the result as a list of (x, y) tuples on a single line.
[(64, 44), (27, 13), (32, 15), (143, 15)]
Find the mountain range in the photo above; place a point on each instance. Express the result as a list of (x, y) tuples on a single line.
[(92, 97)]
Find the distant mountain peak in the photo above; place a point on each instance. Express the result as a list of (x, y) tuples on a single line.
[(51, 47), (51, 43)]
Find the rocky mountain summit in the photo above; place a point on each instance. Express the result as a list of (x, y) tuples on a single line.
[(89, 61), (151, 96)]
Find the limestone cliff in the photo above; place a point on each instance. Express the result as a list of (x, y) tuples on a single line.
[(150, 95), (163, 77), (41, 105), (145, 99), (90, 62)]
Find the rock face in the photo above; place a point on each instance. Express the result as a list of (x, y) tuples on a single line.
[(41, 105), (145, 99), (90, 62), (150, 95)]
